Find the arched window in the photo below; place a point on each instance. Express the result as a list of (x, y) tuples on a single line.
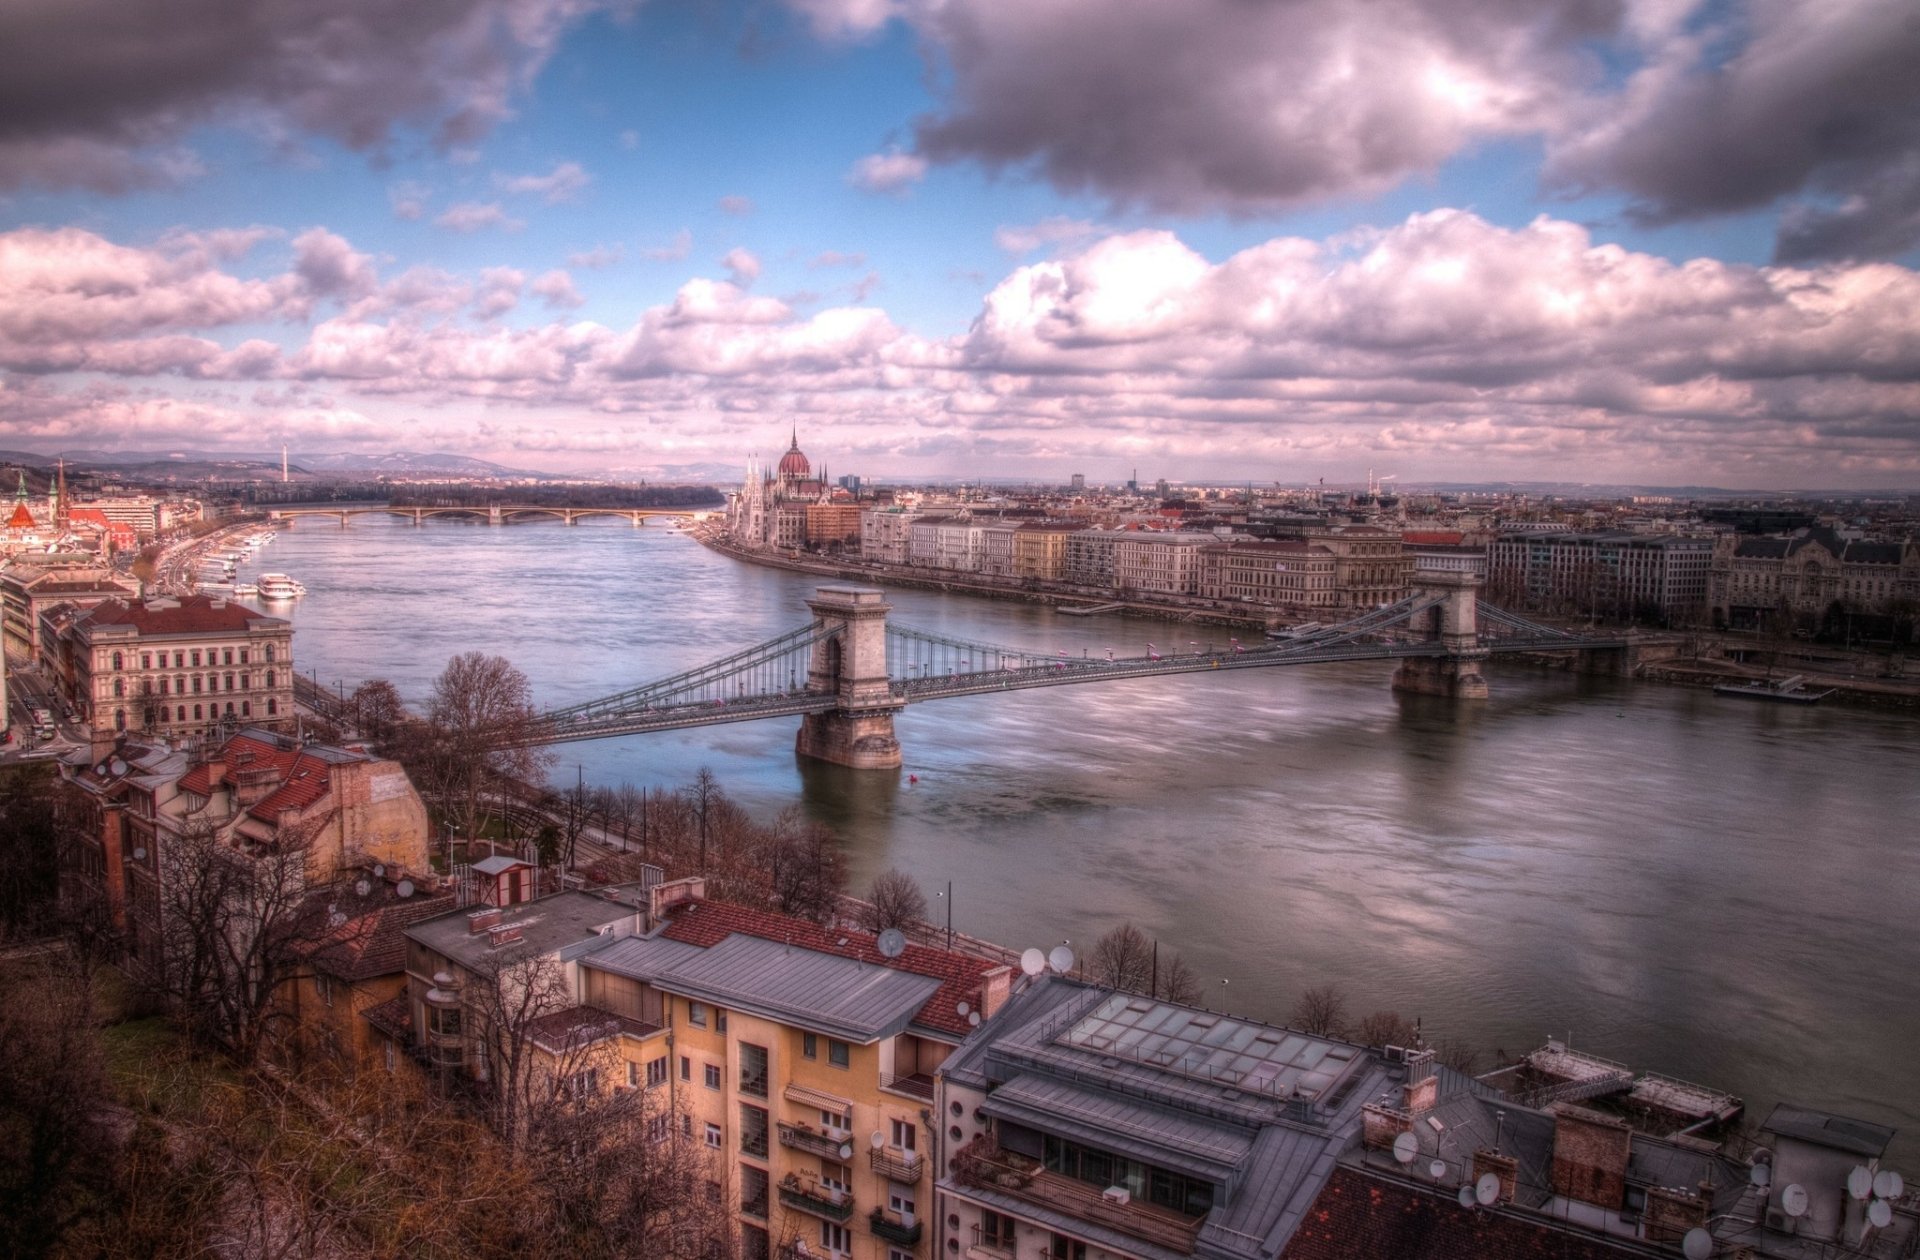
[(180, 713), (269, 652), (229, 708), (196, 713), (116, 662)]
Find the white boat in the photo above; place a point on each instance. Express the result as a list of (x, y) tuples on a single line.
[(245, 590), (278, 586)]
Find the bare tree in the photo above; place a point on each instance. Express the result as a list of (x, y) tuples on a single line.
[(894, 900), (804, 869), (1320, 1010), (1384, 1028), (1123, 959), (702, 795), (1178, 983), (1461, 1056), (377, 709), (481, 705)]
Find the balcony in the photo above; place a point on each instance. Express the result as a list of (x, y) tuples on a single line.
[(801, 1137), (905, 1167), (982, 1166), (895, 1228), (917, 1086), (827, 1202)]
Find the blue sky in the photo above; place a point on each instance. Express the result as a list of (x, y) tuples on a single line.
[(1655, 240)]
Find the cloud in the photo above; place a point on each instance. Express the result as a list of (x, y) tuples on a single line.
[(564, 182), (736, 205), (1055, 230), (99, 91), (679, 247), (742, 265), (845, 19), (409, 200), (330, 267), (1783, 99), (499, 291), (475, 216), (557, 290), (891, 172), (835, 258), (600, 257)]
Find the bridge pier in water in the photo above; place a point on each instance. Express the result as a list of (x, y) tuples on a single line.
[(1456, 674), (851, 663)]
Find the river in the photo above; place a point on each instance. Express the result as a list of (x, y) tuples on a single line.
[(1714, 889)]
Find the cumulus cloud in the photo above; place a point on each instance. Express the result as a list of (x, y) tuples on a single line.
[(1782, 99), (556, 289), (1456, 344), (600, 257), (564, 182), (1054, 230), (679, 247), (735, 204), (845, 19), (99, 90), (475, 216), (409, 200), (742, 265), (890, 172)]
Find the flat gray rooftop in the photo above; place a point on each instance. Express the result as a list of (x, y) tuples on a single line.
[(1205, 1046), (548, 925), (842, 997)]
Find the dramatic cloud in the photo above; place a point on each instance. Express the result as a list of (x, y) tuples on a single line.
[(96, 88), (564, 182), (1456, 345), (476, 216), (887, 172), (1788, 98)]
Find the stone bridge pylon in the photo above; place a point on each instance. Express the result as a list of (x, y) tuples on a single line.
[(1455, 622), (850, 663)]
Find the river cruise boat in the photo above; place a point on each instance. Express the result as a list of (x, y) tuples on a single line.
[(278, 586), (1780, 690)]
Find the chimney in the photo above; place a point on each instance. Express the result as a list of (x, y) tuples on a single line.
[(1590, 1153), (216, 770), (664, 896), (1505, 1167), (995, 987), (482, 921), (1670, 1213), (1422, 1089)]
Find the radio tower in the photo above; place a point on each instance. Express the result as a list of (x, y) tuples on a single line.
[(283, 463)]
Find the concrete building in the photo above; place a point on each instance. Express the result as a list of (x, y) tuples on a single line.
[(1089, 557), (1159, 563), (886, 534), (1609, 574), (833, 526), (188, 666), (29, 588), (1040, 551), (1295, 576)]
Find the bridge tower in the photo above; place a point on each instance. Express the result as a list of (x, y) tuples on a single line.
[(1456, 674), (851, 663)]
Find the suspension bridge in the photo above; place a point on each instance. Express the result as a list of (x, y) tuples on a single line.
[(848, 671)]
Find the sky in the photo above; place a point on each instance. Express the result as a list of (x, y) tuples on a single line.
[(1661, 242)]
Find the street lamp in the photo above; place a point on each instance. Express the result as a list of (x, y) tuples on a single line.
[(947, 896)]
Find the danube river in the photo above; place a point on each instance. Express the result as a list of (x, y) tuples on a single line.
[(1719, 890)]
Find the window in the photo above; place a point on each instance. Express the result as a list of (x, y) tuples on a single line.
[(119, 688), (179, 660), (196, 684), (657, 1071), (116, 662), (753, 1070), (840, 1120), (686, 1124), (246, 708), (269, 653), (753, 1191), (659, 1127), (903, 1134), (229, 686), (196, 658), (246, 682), (180, 713), (633, 1074), (273, 707), (196, 713), (697, 1014), (996, 1230), (809, 1046), (901, 1201), (243, 656), (686, 1068), (324, 983), (227, 657), (163, 687), (838, 1053), (753, 1130), (582, 1085), (711, 1072), (146, 660), (714, 1136), (270, 678), (719, 1021)]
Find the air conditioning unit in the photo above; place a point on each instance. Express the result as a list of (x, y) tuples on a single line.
[(1117, 1194), (1779, 1222)]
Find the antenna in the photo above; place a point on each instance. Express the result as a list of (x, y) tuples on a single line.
[(1406, 1148), (1793, 1200), (1487, 1189), (1061, 959), (1033, 962), (1697, 1245), (893, 943)]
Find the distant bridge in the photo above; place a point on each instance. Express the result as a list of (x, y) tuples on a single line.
[(848, 671), (492, 514)]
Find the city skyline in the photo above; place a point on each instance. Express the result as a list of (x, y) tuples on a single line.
[(1658, 243)]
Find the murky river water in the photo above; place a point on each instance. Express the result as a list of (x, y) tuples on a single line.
[(1720, 890)]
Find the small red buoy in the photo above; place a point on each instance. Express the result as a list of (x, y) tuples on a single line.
[(913, 778)]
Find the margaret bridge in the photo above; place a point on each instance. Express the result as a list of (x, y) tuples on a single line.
[(847, 672), (492, 514)]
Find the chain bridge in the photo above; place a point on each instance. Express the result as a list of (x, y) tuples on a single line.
[(848, 671)]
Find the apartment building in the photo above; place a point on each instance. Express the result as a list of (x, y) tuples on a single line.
[(886, 534), (833, 526), (188, 666), (996, 549), (1040, 552), (1159, 563), (1294, 576), (29, 590), (1089, 557), (1610, 574)]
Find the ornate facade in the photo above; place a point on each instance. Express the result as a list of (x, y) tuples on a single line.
[(770, 509)]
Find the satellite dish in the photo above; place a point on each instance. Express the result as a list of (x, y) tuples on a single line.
[(336, 919), (379, 870), (1061, 959), (1879, 1214), (1793, 1200), (1033, 962), (893, 943), (403, 889), (362, 887), (1760, 1175), (1466, 1197), (1889, 1184), (1406, 1148), (1860, 1182), (876, 1139), (1487, 1189), (1697, 1245), (117, 766), (139, 855), (963, 1008), (846, 1151), (1438, 1169), (973, 1020)]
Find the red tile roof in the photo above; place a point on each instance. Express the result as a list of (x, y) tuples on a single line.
[(303, 778), (374, 944), (1431, 537), (394, 1017), (21, 518), (1358, 1217), (195, 614), (707, 923)]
